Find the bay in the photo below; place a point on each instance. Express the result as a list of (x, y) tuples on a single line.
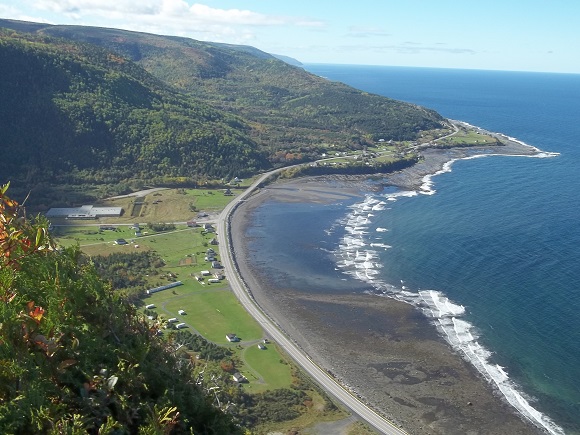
[(501, 236), (492, 255)]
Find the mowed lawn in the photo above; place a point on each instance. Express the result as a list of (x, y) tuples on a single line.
[(211, 309), (213, 313), (268, 364)]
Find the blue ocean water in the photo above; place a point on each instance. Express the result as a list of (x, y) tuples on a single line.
[(501, 236), (492, 255)]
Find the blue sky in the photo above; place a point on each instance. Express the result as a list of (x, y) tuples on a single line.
[(518, 35)]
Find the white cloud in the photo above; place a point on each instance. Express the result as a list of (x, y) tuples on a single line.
[(165, 10), (169, 17), (97, 7), (408, 47)]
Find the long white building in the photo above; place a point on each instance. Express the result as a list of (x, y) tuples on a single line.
[(84, 212)]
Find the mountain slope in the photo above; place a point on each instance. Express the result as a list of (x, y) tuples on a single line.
[(75, 112), (289, 108)]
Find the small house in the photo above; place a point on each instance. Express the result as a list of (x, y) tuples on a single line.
[(238, 377), (121, 242), (216, 265), (232, 338), (261, 346), (149, 306), (181, 312)]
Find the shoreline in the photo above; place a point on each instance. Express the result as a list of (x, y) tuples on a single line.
[(404, 367)]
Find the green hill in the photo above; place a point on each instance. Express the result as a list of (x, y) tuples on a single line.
[(296, 109), (75, 113), (106, 107)]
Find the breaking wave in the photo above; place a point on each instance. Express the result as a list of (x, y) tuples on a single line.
[(357, 256)]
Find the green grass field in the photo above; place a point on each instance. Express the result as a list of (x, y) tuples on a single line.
[(268, 363), (469, 137), (211, 310)]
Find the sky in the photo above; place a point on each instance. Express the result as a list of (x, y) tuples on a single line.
[(513, 35)]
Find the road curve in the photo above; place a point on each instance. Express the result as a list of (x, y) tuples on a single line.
[(316, 372)]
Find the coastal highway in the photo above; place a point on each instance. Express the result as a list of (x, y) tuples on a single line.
[(309, 366)]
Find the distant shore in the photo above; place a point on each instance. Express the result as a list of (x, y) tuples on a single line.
[(387, 351)]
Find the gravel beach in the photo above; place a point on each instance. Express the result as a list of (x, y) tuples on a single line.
[(386, 351)]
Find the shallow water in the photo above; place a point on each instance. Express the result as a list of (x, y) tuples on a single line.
[(492, 255)]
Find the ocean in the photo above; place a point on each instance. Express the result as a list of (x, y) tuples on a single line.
[(489, 249)]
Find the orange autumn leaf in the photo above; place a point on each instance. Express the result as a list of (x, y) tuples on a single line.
[(37, 314)]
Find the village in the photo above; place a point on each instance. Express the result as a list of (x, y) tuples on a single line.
[(189, 293)]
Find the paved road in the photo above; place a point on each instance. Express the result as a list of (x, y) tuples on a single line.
[(316, 372)]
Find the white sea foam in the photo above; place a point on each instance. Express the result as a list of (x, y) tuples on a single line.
[(356, 258), (380, 245)]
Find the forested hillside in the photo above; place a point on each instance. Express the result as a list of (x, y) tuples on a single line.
[(107, 107), (75, 113), (293, 109)]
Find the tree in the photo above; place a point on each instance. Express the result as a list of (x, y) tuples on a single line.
[(74, 356)]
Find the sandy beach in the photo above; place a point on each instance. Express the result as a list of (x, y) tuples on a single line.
[(387, 352)]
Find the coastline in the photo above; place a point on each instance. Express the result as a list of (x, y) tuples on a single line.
[(389, 353)]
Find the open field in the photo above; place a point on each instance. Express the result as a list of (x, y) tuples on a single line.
[(166, 205), (211, 310), (469, 137), (266, 362), (214, 312)]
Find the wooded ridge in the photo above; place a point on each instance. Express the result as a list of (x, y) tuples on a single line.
[(107, 107)]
